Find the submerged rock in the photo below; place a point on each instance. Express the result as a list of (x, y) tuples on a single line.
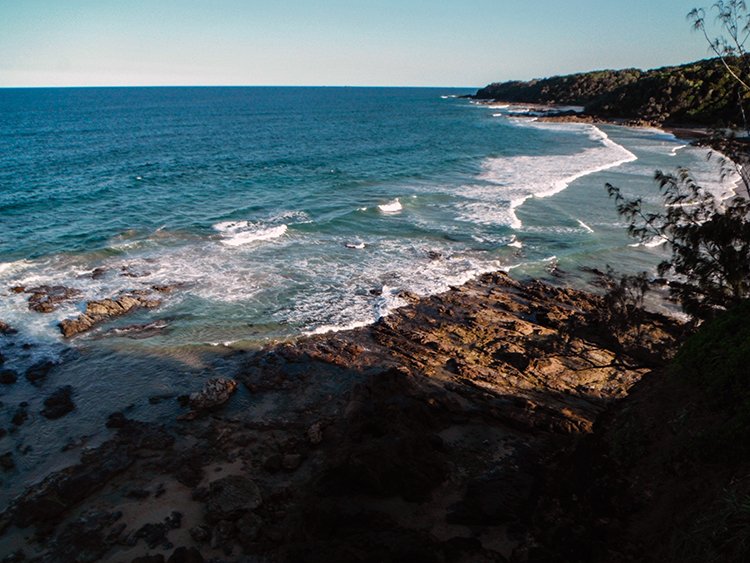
[(39, 371), (6, 329), (59, 403), (103, 310), (8, 376)]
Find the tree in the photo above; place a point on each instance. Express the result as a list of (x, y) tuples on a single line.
[(708, 239), (734, 20)]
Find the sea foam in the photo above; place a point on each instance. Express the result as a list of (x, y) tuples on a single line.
[(510, 181)]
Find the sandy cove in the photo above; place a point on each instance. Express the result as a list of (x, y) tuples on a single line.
[(423, 437)]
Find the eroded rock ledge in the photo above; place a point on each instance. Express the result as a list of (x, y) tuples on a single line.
[(422, 437)]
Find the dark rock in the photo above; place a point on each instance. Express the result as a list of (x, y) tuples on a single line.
[(98, 273), (20, 416), (215, 393), (46, 298), (6, 462), (230, 497), (47, 500), (103, 310), (315, 434), (117, 420), (16, 557), (494, 499), (155, 533), (248, 528), (87, 539), (186, 555), (273, 463), (290, 462), (8, 376), (200, 534), (59, 403), (39, 371), (6, 329)]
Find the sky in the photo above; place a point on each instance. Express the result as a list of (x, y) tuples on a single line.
[(463, 43)]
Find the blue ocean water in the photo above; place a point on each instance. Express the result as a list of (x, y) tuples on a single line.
[(282, 211)]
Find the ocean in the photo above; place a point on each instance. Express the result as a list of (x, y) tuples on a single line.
[(278, 212)]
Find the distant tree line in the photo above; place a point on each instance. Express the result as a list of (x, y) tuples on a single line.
[(698, 93)]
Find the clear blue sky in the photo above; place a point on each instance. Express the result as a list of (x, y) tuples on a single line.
[(334, 42)]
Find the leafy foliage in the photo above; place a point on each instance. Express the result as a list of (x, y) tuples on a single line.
[(709, 242)]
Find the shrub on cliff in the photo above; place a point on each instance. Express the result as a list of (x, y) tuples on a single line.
[(708, 239), (716, 359)]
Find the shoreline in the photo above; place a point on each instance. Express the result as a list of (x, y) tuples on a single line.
[(409, 422)]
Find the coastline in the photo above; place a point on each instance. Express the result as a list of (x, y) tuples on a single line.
[(395, 430)]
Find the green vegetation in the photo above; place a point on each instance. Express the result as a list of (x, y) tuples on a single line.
[(699, 93), (717, 360)]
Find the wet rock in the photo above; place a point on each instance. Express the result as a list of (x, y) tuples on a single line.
[(58, 492), (186, 555), (8, 376), (6, 462), (98, 273), (46, 298), (231, 497), (6, 329), (39, 371), (215, 393), (59, 403), (103, 310)]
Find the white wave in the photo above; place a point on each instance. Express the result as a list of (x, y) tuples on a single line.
[(392, 207), (355, 245), (515, 243), (511, 181), (674, 151), (585, 226), (238, 233), (651, 243)]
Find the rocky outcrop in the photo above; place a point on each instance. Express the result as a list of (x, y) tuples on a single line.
[(103, 310), (46, 298), (424, 437), (214, 394)]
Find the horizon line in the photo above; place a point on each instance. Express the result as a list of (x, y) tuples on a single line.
[(231, 86)]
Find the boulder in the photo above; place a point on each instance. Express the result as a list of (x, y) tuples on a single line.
[(215, 393)]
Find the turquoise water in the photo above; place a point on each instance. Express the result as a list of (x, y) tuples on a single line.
[(282, 211)]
